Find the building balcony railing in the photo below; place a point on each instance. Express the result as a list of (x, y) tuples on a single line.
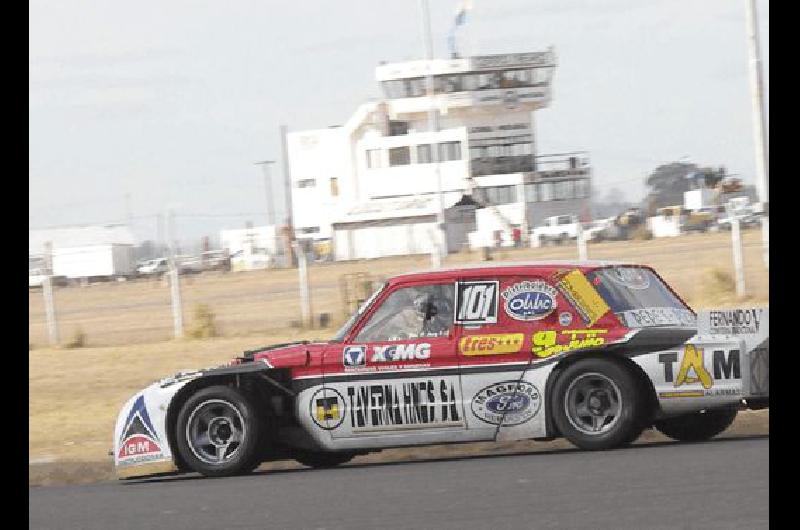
[(541, 166)]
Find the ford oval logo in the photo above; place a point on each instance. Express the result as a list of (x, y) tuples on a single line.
[(506, 403), (530, 300)]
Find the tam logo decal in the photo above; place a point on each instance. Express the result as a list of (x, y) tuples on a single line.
[(529, 300), (139, 442)]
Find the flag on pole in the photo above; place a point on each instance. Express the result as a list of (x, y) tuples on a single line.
[(461, 12), (460, 19)]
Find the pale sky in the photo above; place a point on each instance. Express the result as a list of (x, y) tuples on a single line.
[(172, 102)]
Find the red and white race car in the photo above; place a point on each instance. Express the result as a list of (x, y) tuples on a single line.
[(592, 352)]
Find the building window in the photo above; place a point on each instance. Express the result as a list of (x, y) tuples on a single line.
[(531, 194), (397, 128), (563, 190), (582, 189), (399, 156), (546, 191), (414, 87), (373, 158), (334, 187), (477, 152), (497, 194), (306, 183), (449, 151), (424, 154)]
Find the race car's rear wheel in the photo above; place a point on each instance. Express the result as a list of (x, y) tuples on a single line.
[(597, 404), (321, 459), (697, 426), (218, 432)]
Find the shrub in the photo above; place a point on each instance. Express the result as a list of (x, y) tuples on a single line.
[(79, 339), (203, 324), (641, 233), (717, 287)]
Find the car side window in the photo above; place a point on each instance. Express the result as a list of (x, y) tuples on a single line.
[(410, 313)]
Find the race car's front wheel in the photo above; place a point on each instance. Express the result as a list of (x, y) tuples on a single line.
[(597, 404), (697, 426), (318, 459), (218, 432)]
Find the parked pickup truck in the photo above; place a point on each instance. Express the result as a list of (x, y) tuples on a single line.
[(557, 229), (591, 352)]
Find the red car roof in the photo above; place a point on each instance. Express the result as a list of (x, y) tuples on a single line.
[(528, 267)]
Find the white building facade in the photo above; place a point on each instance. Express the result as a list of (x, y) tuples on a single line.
[(382, 160)]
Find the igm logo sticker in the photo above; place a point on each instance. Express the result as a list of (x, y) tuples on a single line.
[(529, 300), (139, 442)]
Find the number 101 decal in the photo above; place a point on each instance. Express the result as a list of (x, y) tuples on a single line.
[(476, 302)]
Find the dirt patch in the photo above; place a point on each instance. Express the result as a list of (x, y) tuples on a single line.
[(748, 423)]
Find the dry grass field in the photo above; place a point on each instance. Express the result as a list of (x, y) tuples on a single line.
[(74, 394)]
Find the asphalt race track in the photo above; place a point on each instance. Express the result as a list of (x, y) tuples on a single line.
[(722, 483)]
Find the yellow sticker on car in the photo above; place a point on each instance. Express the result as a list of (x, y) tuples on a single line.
[(580, 293), (497, 344)]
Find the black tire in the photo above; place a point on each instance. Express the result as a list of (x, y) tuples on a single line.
[(697, 426), (617, 430), (322, 459), (220, 400)]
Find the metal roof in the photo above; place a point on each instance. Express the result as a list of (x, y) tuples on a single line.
[(79, 236), (394, 208)]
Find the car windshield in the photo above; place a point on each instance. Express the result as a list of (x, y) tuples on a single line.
[(639, 297), (344, 330)]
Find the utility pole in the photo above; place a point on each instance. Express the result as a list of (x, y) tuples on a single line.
[(287, 182), (174, 283), (759, 124), (47, 290), (265, 165), (582, 252), (271, 221), (738, 262), (305, 292), (433, 128)]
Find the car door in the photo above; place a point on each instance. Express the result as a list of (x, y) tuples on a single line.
[(397, 371), (496, 318)]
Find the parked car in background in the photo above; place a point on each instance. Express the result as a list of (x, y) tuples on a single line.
[(598, 230), (214, 260), (37, 276), (741, 208), (557, 229), (243, 261), (153, 267)]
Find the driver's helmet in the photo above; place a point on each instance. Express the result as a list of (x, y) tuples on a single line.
[(422, 302)]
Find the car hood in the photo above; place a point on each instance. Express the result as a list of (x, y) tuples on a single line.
[(286, 355)]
